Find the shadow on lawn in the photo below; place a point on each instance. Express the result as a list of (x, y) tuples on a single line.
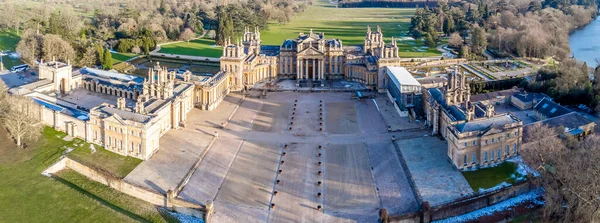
[(102, 201)]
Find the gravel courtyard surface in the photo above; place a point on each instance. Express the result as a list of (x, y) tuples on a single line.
[(272, 118), (249, 182), (361, 171), (435, 179), (349, 186), (341, 118)]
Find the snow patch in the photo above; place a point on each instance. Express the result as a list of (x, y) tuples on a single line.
[(186, 218), (494, 188), (534, 196), (523, 169), (92, 148)]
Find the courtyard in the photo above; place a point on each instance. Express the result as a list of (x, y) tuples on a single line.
[(317, 157)]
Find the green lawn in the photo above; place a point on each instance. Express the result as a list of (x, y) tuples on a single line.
[(198, 47), (28, 196), (347, 24), (120, 57), (490, 177), (8, 40), (134, 208), (111, 162)]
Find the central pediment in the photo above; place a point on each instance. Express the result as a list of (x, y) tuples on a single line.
[(310, 52)]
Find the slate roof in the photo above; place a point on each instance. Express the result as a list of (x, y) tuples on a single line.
[(126, 115), (550, 109), (571, 120), (484, 124), (453, 112), (494, 95), (529, 97)]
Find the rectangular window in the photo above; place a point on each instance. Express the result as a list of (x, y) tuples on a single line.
[(109, 139), (492, 154), (516, 133), (507, 150), (473, 158), (486, 142), (492, 140), (515, 148), (465, 160), (139, 148), (485, 157), (474, 142), (498, 139), (466, 144), (499, 153)]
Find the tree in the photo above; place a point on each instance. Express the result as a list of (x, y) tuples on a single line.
[(107, 63), (187, 35), (22, 118), (429, 41), (30, 48), (455, 40), (54, 47), (464, 52), (568, 173), (449, 26), (478, 40)]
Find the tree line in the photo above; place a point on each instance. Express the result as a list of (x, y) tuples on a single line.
[(524, 28), (88, 28)]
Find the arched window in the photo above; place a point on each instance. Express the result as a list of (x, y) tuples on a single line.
[(485, 157)]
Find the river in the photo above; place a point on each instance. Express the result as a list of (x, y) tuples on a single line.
[(585, 43)]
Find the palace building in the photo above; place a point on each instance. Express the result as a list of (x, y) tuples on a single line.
[(128, 114), (476, 135), (309, 59)]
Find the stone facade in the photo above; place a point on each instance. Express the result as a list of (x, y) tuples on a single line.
[(310, 58), (476, 135)]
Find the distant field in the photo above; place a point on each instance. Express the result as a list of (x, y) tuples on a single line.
[(199, 47), (347, 24), (120, 57)]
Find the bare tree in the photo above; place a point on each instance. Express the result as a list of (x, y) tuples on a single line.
[(570, 176), (455, 40), (187, 35), (54, 46), (22, 118)]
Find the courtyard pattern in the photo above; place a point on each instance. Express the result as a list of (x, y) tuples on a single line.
[(260, 170)]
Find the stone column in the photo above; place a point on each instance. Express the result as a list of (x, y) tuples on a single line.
[(298, 69), (314, 69), (305, 74)]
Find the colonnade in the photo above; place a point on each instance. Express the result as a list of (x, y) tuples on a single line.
[(303, 66)]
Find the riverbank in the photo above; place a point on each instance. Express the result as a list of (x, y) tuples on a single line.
[(584, 42)]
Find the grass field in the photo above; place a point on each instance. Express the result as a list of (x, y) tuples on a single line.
[(114, 163), (8, 41), (120, 57), (492, 176), (198, 47), (132, 207), (347, 24), (28, 196)]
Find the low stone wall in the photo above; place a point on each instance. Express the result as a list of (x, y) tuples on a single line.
[(125, 187), (464, 205)]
